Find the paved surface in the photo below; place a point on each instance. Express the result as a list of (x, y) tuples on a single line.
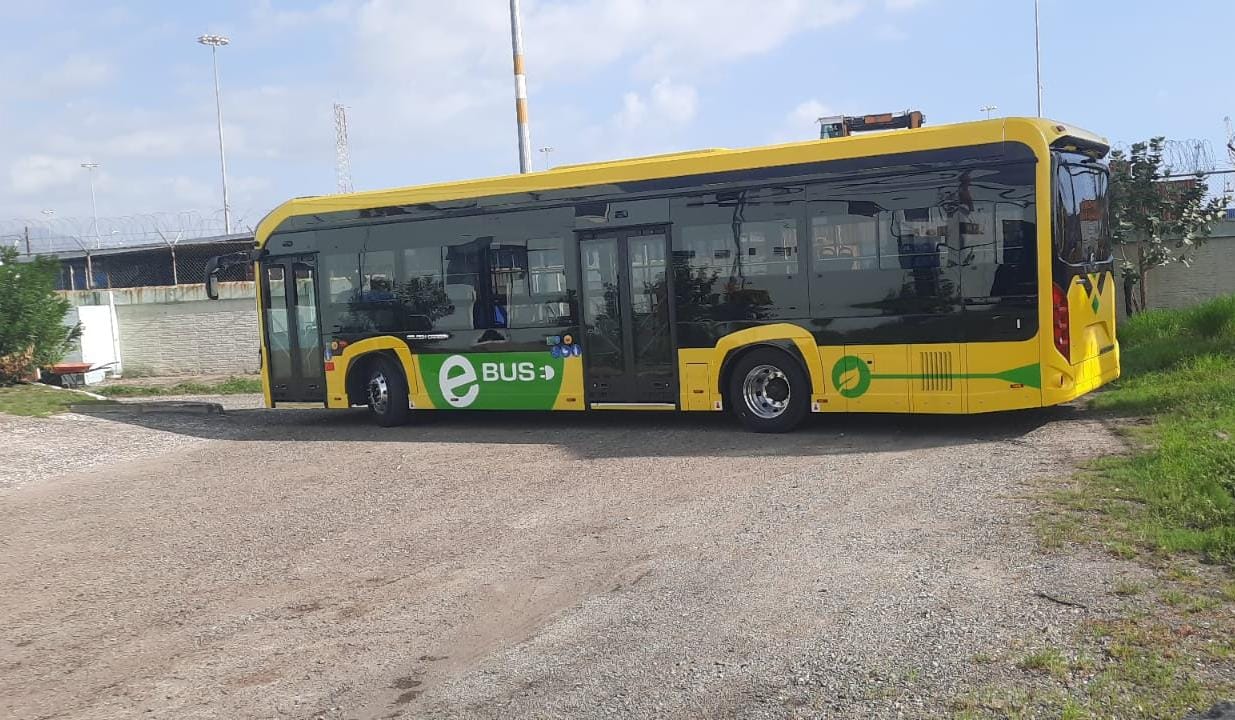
[(304, 564)]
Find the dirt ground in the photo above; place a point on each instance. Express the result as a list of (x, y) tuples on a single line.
[(305, 564)]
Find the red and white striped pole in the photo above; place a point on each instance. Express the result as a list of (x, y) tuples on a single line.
[(525, 135)]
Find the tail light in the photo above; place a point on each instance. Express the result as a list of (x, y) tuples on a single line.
[(1059, 309)]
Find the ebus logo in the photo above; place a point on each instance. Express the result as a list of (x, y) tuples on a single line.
[(460, 384), (456, 373)]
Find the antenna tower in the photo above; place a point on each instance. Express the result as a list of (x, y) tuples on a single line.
[(342, 155)]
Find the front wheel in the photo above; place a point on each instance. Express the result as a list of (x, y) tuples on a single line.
[(386, 392), (769, 391)]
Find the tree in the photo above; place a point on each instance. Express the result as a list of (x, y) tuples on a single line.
[(1161, 220), (32, 329)]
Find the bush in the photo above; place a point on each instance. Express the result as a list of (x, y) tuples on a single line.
[(32, 330)]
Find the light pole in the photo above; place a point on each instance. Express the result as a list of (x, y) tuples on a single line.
[(988, 109), (94, 208), (215, 42), (545, 151), (525, 136), (1037, 56)]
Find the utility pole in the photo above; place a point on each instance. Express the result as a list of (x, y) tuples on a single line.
[(1037, 55), (525, 135), (91, 167), (214, 42)]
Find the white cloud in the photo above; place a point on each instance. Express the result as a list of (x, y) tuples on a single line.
[(656, 37), (801, 123), (34, 174), (76, 72), (266, 15), (161, 142), (902, 5), (806, 114), (675, 102), (634, 111), (890, 33), (669, 105)]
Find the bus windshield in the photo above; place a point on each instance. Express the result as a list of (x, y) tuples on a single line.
[(1082, 225)]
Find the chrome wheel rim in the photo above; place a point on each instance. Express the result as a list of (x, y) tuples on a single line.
[(766, 391), (379, 393)]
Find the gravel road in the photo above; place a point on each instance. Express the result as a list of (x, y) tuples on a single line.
[(303, 564)]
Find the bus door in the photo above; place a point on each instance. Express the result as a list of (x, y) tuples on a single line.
[(293, 338), (627, 319)]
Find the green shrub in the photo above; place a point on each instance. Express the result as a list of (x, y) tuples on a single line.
[(32, 334)]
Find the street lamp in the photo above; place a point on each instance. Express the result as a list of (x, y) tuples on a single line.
[(988, 109), (91, 167), (1037, 56), (215, 42), (545, 151)]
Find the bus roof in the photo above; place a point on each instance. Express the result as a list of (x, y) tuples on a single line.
[(1038, 132)]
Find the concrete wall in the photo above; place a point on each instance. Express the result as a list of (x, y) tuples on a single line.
[(1212, 273), (177, 330)]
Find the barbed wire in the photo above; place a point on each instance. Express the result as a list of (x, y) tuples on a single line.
[(51, 233), (1182, 157)]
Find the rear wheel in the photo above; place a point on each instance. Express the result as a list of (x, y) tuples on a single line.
[(769, 391), (386, 392)]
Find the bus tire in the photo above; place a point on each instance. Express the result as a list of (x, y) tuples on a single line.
[(769, 391), (386, 392)]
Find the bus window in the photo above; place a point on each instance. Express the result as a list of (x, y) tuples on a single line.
[(736, 255), (421, 289), (843, 239), (529, 282)]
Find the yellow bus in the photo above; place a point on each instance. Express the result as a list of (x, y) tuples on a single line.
[(961, 268)]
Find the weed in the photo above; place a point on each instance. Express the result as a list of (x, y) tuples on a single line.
[(1049, 660)]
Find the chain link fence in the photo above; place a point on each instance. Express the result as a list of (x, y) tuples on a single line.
[(150, 266)]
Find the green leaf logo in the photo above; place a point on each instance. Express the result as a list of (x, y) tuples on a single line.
[(851, 376)]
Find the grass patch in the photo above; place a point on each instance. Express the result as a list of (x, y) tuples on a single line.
[(231, 386), (1168, 502), (1177, 494), (1050, 661), (34, 400), (1140, 668)]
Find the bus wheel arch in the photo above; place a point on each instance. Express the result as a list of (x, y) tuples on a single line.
[(766, 385), (377, 380)]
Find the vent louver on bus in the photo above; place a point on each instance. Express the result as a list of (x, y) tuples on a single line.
[(936, 371)]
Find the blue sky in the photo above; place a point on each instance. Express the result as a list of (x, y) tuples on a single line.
[(429, 92)]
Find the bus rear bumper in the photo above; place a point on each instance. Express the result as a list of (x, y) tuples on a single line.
[(1061, 383)]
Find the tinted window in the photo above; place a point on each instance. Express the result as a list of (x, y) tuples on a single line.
[(882, 252), (529, 282), (736, 256), (916, 257), (455, 274), (1082, 233), (997, 233)]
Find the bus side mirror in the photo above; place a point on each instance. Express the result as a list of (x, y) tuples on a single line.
[(212, 278), (212, 285)]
